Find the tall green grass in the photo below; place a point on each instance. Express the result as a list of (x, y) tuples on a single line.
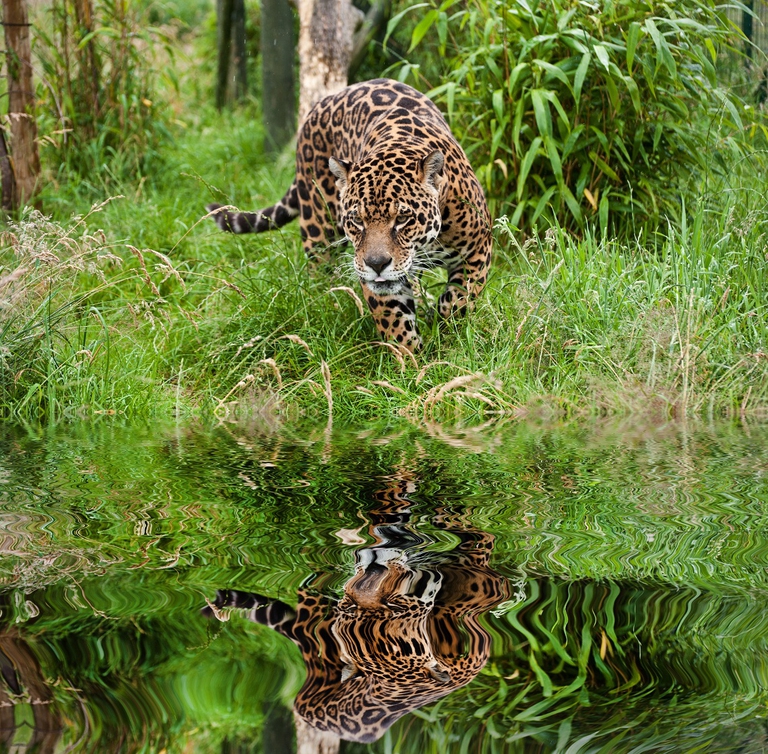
[(143, 307)]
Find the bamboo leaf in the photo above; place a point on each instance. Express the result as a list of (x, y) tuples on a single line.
[(515, 75), (581, 74), (555, 100), (633, 37), (526, 164), (603, 214), (542, 204), (398, 17), (613, 92), (604, 166), (554, 71), (541, 112), (663, 53), (422, 28), (602, 56), (573, 205), (634, 93), (498, 104), (554, 159)]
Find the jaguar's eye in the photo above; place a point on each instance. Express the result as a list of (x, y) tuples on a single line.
[(402, 220), (354, 221)]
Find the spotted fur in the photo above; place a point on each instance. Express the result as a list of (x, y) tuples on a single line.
[(377, 163), (405, 632)]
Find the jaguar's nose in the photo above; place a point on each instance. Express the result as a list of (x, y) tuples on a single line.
[(377, 262)]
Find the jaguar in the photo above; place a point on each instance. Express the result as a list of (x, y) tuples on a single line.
[(377, 165), (404, 633)]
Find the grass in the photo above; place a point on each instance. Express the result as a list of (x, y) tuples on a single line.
[(138, 306)]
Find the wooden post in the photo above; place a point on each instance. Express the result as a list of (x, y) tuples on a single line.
[(21, 100), (277, 50)]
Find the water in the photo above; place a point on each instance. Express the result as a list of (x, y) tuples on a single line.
[(512, 588)]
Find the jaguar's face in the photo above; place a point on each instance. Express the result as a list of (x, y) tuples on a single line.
[(389, 210), (383, 582)]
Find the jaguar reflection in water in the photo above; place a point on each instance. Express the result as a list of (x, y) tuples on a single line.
[(405, 632)]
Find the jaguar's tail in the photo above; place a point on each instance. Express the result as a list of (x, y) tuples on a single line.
[(268, 218), (273, 613)]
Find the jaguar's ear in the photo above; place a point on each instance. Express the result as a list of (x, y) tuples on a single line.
[(339, 168), (441, 675), (348, 671), (432, 167)]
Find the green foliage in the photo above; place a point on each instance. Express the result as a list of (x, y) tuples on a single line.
[(100, 110), (576, 113)]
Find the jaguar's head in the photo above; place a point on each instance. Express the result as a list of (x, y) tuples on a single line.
[(389, 209)]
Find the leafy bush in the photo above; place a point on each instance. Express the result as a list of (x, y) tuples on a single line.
[(583, 111), (98, 103)]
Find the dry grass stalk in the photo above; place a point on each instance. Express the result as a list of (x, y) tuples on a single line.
[(353, 295), (167, 267), (399, 351), (143, 265), (248, 344), (299, 341), (55, 251), (190, 317), (439, 392), (423, 371), (523, 321), (222, 402), (275, 370), (218, 613), (12, 277), (478, 397), (389, 386), (226, 208), (326, 372), (234, 288)]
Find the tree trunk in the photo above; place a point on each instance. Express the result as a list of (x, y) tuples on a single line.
[(238, 61), (89, 65), (326, 33), (277, 49), (231, 73), (7, 180), (21, 100), (21, 676), (746, 26), (224, 42)]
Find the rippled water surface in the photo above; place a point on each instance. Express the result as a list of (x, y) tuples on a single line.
[(259, 588)]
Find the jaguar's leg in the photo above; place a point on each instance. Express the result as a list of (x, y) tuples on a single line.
[(317, 212), (465, 281), (395, 315)]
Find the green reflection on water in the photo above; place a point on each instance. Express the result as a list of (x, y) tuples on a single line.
[(634, 560)]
